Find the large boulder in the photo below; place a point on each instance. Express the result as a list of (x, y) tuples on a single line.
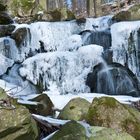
[(133, 13), (108, 112), (16, 122), (76, 110), (75, 131)]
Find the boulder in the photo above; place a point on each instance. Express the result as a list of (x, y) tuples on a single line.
[(70, 131), (132, 14), (6, 30), (16, 122), (108, 112), (76, 110), (75, 131), (43, 107)]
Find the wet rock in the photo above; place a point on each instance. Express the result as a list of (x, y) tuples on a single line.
[(133, 13), (20, 35), (16, 121), (108, 112), (44, 105), (5, 18), (6, 30), (102, 133), (113, 79), (76, 109)]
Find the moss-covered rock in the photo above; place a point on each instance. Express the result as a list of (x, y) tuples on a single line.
[(102, 133), (70, 131), (76, 110), (75, 131), (108, 112), (16, 122), (133, 13)]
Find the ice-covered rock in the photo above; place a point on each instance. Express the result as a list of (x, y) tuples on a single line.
[(125, 44), (67, 71), (5, 63)]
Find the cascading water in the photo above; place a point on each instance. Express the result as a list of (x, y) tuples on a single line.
[(113, 79)]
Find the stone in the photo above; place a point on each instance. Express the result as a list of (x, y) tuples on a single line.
[(16, 121), (108, 112), (6, 30), (70, 131), (102, 133), (132, 14), (115, 79), (76, 109), (44, 107), (20, 35), (75, 131)]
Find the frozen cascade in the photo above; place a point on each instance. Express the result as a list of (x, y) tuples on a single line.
[(63, 71), (126, 45), (56, 36)]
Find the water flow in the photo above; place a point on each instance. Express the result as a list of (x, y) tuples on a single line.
[(105, 81)]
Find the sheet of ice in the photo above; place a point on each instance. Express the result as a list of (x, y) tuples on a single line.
[(65, 71), (125, 44), (5, 63)]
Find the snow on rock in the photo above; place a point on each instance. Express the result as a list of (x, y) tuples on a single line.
[(5, 63), (63, 71), (125, 44)]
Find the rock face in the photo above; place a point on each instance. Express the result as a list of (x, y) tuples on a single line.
[(108, 112), (20, 35), (15, 121), (75, 131), (131, 14), (76, 110), (113, 79)]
